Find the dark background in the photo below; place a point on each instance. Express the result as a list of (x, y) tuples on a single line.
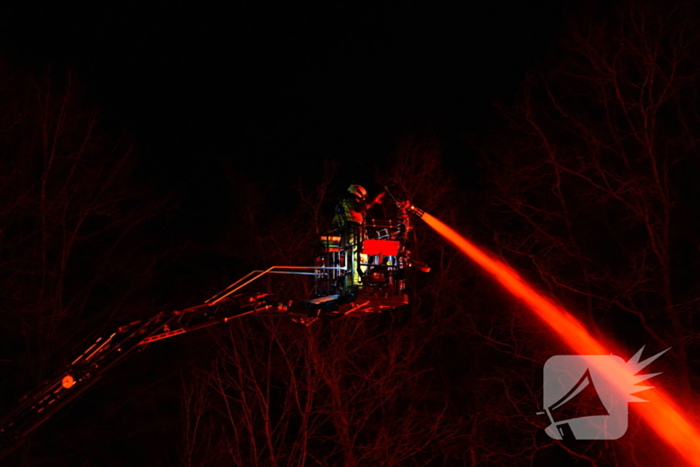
[(267, 95), (274, 91)]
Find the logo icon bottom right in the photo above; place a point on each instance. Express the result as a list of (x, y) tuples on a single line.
[(586, 396)]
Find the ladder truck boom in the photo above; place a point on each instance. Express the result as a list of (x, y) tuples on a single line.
[(379, 260), (107, 350)]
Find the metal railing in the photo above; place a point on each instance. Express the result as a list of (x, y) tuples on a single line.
[(258, 273)]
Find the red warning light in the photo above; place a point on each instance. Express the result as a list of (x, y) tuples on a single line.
[(68, 382)]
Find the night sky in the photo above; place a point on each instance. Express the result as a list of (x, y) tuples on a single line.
[(275, 91)]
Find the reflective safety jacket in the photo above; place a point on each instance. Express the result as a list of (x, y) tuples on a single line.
[(349, 211)]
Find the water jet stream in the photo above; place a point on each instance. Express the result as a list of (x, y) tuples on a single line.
[(661, 413)]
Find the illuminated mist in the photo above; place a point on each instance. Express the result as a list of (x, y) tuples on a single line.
[(661, 413)]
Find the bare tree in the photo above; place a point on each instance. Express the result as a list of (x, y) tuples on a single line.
[(591, 196), (352, 392), (73, 245)]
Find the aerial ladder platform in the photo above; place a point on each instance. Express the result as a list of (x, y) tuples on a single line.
[(349, 280)]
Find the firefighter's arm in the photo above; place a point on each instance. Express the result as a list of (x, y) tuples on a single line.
[(378, 199)]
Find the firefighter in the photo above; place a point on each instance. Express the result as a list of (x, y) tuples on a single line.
[(352, 209), (349, 221)]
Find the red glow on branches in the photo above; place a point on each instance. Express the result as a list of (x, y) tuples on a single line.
[(662, 414)]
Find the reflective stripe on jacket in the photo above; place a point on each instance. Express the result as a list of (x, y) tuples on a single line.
[(349, 211)]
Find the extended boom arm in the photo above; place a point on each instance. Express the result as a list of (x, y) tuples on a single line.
[(38, 406)]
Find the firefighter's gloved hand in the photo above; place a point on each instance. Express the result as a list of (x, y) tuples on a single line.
[(379, 198), (421, 266)]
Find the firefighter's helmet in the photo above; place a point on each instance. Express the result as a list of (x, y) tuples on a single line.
[(359, 191)]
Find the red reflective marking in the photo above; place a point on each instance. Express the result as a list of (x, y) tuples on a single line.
[(661, 413), (380, 247)]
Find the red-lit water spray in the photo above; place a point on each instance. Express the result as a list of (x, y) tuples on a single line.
[(660, 412)]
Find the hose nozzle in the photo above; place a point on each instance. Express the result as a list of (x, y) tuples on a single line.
[(418, 212)]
